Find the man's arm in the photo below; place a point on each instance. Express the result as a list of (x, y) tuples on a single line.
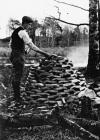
[(10, 43), (27, 40), (36, 49)]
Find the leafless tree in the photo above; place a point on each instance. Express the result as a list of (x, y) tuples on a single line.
[(72, 5), (93, 67)]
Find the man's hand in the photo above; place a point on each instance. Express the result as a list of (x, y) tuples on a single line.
[(47, 55), (50, 56), (54, 56)]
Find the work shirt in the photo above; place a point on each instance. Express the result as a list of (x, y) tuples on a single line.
[(27, 40)]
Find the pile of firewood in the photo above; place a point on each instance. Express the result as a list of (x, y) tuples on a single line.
[(54, 81)]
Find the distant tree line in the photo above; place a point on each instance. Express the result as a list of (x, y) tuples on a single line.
[(51, 34)]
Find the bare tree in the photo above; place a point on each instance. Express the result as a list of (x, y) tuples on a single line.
[(93, 68), (13, 23), (58, 11), (72, 5), (51, 23), (59, 19), (81, 24)]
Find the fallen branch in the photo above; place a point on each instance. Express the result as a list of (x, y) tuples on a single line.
[(74, 127), (77, 129), (90, 125), (28, 120)]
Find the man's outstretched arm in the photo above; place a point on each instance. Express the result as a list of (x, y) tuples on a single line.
[(27, 40)]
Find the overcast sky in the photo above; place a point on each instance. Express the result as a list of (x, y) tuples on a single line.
[(39, 9)]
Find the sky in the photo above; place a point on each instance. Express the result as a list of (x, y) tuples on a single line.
[(39, 9)]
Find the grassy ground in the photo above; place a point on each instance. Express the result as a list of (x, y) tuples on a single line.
[(31, 133), (4, 51), (39, 133)]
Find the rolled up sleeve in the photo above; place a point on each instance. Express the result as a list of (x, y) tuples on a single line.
[(27, 40), (24, 35)]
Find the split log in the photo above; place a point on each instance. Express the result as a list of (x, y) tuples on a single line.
[(74, 127), (29, 120), (90, 125)]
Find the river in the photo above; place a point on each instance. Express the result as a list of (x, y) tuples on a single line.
[(77, 54)]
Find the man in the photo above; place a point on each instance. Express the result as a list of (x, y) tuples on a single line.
[(19, 40)]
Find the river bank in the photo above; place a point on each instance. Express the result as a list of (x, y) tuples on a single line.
[(77, 54)]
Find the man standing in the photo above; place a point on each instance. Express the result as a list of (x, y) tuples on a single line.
[(19, 40)]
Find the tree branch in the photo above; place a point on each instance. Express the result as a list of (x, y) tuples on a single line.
[(69, 22), (72, 5)]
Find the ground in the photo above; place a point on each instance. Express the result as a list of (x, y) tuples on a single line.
[(71, 109)]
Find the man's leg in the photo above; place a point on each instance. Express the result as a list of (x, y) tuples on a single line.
[(18, 72)]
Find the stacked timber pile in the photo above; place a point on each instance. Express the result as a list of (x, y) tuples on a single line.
[(49, 83), (53, 82)]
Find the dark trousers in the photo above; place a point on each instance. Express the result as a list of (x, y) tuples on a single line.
[(16, 79), (17, 60)]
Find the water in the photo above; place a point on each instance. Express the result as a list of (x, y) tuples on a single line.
[(79, 55)]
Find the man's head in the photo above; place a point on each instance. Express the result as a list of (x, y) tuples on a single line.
[(26, 21)]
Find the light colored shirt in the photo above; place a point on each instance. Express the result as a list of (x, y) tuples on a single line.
[(24, 35), (27, 41)]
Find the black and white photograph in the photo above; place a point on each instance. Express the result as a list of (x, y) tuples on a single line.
[(49, 70)]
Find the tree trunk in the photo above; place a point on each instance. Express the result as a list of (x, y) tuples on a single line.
[(93, 58), (99, 26)]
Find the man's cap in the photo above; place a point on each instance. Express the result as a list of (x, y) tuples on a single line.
[(27, 19)]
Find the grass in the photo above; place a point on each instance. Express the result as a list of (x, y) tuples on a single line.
[(4, 51), (34, 133)]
